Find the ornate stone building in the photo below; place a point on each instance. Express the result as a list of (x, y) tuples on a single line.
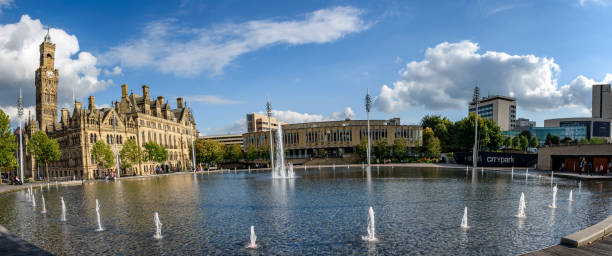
[(133, 117)]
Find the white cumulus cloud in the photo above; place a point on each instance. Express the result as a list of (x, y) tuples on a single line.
[(113, 72), (293, 117), (19, 58), (445, 79), (182, 51), (11, 111)]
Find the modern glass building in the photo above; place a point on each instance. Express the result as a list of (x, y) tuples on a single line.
[(572, 132)]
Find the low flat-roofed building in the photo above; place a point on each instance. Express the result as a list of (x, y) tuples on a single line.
[(575, 158), (595, 127), (227, 139), (335, 138)]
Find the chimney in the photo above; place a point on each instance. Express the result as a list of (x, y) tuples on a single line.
[(161, 100), (77, 105), (124, 93), (179, 102), (92, 103), (145, 92)]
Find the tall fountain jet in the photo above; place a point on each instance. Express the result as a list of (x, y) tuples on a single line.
[(252, 244), (371, 237), (98, 216), (63, 217), (570, 196), (33, 200), (158, 227), (554, 198), (281, 171), (464, 220), (521, 209)]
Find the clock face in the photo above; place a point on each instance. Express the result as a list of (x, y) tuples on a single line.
[(49, 74)]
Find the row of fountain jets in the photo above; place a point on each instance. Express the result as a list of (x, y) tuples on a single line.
[(281, 172), (158, 225)]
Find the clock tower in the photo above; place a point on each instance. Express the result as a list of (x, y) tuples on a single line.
[(46, 85)]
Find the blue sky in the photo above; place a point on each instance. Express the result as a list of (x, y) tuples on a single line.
[(315, 59)]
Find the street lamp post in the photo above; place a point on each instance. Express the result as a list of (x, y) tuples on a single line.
[(115, 141), (475, 151), (193, 161), (20, 114), (368, 105), (269, 111)]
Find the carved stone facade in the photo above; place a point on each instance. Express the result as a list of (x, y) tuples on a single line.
[(137, 117)]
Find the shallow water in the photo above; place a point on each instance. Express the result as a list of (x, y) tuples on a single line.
[(418, 211)]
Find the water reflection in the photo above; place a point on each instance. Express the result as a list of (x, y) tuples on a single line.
[(321, 212)]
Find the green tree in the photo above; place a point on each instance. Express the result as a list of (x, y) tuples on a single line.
[(8, 144), (516, 142), (431, 144), (534, 142), (103, 155), (584, 141), (489, 134), (131, 154), (526, 133), (443, 129), (508, 142), (210, 151), (548, 140), (155, 153), (363, 148), (44, 149), (595, 140), (400, 149), (381, 150), (233, 153), (524, 142), (251, 153)]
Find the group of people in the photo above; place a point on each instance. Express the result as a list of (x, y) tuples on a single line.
[(12, 179), (589, 169)]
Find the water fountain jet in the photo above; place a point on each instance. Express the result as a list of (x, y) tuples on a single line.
[(44, 208), (570, 196), (371, 237), (63, 217), (158, 227), (252, 244), (521, 209), (554, 198), (98, 216), (464, 220)]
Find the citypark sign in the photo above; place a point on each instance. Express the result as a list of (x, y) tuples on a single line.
[(497, 159)]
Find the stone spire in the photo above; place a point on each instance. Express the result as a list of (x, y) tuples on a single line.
[(48, 36)]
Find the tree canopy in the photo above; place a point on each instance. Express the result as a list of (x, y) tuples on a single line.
[(155, 153), (8, 144), (209, 151), (103, 155), (131, 154), (233, 153), (44, 149)]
